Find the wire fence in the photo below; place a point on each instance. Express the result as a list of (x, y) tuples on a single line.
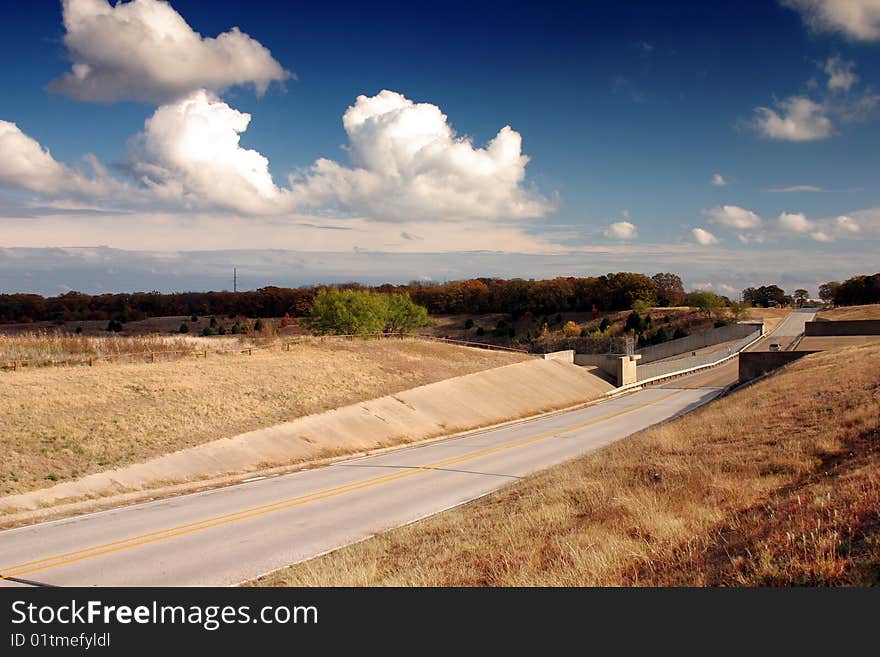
[(17, 364)]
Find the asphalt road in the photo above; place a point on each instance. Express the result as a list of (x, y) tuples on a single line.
[(787, 332), (233, 534)]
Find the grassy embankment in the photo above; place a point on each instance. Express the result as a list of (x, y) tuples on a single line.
[(871, 311), (774, 484), (58, 423)]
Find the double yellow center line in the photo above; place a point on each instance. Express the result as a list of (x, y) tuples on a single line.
[(68, 558)]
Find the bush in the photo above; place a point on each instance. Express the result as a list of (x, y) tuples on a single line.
[(207, 331), (221, 330), (680, 332), (468, 324), (213, 323), (258, 326), (633, 322), (78, 330), (605, 324), (194, 318), (570, 329), (362, 312), (660, 336), (114, 325), (184, 328), (481, 331)]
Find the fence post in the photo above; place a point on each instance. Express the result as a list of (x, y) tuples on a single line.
[(90, 361), (206, 354), (15, 366), (152, 357)]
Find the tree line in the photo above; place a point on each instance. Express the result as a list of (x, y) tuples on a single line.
[(856, 291), (610, 292)]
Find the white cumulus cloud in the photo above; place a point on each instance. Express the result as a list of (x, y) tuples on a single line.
[(847, 225), (856, 19), (189, 151), (621, 230), (733, 216), (407, 162), (795, 119), (718, 180), (144, 50), (26, 164), (822, 236), (703, 237), (841, 76), (794, 222)]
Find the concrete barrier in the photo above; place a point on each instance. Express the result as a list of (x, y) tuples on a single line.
[(446, 407), (698, 341), (566, 356), (842, 327), (753, 364), (622, 368), (605, 362)]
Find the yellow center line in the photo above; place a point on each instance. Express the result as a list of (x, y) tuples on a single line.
[(245, 514)]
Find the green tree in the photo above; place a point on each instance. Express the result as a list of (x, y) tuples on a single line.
[(706, 301), (184, 328), (402, 315), (800, 296)]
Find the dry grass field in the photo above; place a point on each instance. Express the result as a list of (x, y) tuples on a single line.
[(39, 348), (775, 484), (58, 423), (871, 311)]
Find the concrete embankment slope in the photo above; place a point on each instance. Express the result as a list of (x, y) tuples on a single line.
[(446, 407)]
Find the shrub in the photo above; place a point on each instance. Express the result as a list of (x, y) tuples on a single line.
[(221, 330), (208, 331), (480, 330), (114, 325), (605, 324), (184, 328), (362, 312), (194, 318), (78, 330), (258, 326), (468, 324), (680, 332), (213, 323), (570, 330)]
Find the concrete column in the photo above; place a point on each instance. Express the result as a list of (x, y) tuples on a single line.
[(626, 369)]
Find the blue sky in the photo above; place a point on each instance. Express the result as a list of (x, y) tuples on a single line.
[(626, 111)]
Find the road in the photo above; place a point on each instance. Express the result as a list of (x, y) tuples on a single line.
[(233, 534), (787, 332)]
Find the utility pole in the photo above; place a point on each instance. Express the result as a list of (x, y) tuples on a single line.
[(234, 279)]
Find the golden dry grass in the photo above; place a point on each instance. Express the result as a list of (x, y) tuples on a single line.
[(45, 347), (871, 311), (776, 483), (58, 423)]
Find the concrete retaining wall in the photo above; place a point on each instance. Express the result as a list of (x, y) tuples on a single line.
[(697, 341), (446, 407), (605, 362), (843, 327), (566, 356), (753, 364)]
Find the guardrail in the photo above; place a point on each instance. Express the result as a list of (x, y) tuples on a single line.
[(658, 368), (678, 373)]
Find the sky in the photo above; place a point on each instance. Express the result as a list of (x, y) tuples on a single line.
[(152, 145)]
